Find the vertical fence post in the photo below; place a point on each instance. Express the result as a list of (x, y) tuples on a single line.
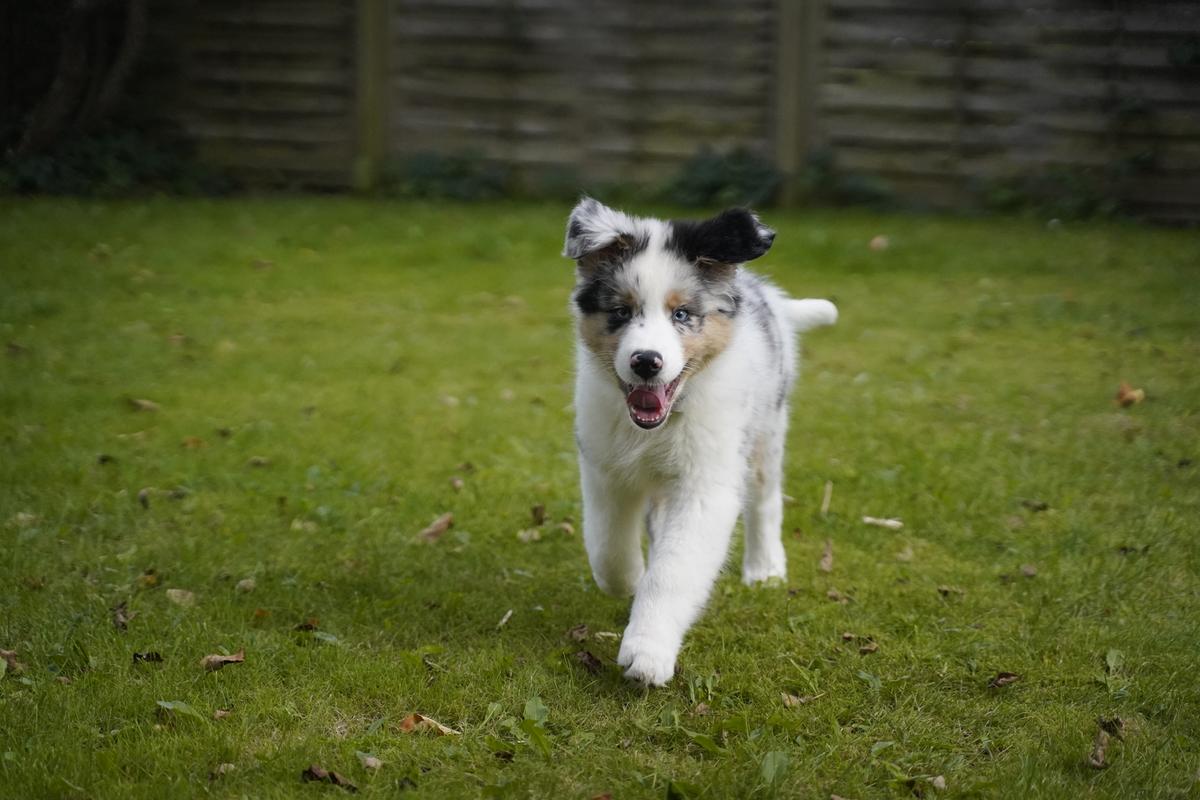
[(371, 41), (797, 67)]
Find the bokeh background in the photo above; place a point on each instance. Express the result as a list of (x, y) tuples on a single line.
[(1064, 107)]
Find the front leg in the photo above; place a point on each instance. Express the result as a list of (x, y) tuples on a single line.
[(689, 539), (612, 531)]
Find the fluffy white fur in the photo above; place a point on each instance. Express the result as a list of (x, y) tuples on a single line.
[(718, 455)]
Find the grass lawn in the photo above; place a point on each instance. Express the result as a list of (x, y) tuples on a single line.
[(324, 369)]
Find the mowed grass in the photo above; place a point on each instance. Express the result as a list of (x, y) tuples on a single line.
[(365, 354)]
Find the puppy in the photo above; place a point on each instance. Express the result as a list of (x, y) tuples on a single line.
[(684, 365)]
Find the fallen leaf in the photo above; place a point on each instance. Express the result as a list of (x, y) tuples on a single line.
[(1114, 726), (529, 535), (221, 713), (181, 597), (579, 633), (437, 528), (457, 483), (9, 657), (795, 701), (246, 585), (418, 723), (826, 564), (938, 782), (141, 404), (504, 620), (317, 773), (121, 616), (23, 519), (215, 662), (309, 624), (193, 443), (306, 525), (701, 710), (946, 591), (1003, 679), (884, 522), (847, 636), (837, 597), (1128, 396), (879, 243), (148, 579), (219, 770), (1035, 505), (1028, 570), (151, 657), (538, 513), (869, 647), (566, 528), (368, 761), (589, 662), (906, 554)]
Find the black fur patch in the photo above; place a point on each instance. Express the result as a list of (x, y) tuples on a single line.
[(732, 237)]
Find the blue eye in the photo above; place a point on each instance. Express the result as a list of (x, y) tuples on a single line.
[(681, 315)]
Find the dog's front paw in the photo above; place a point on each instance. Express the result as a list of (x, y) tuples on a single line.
[(768, 575), (647, 661)]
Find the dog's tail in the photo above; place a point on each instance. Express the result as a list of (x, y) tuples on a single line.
[(808, 313)]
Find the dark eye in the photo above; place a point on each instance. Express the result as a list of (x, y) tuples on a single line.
[(622, 312), (681, 315)]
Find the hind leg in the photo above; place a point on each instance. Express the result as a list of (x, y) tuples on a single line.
[(762, 514)]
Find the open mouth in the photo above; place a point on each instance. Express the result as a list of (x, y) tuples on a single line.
[(650, 403)]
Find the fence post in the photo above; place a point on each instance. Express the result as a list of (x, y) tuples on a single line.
[(797, 67), (371, 91)]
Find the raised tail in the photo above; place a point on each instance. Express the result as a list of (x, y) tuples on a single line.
[(807, 314)]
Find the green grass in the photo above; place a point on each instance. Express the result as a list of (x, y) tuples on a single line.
[(368, 350)]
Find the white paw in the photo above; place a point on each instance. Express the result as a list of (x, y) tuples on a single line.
[(618, 583), (769, 574), (646, 660)]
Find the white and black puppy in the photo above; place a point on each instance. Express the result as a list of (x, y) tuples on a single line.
[(685, 361)]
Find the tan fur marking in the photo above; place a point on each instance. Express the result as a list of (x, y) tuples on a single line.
[(700, 348), (674, 300), (593, 330)]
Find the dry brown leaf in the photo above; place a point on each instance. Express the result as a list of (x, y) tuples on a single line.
[(457, 483), (437, 528), (589, 662), (837, 597), (418, 723), (1115, 726), (538, 514), (701, 710), (794, 700), (309, 624), (1003, 679), (946, 591), (826, 564), (246, 585), (369, 761), (1128, 396), (938, 782), (151, 657), (870, 646), (847, 636), (566, 527), (121, 616), (141, 404), (215, 662), (148, 579), (317, 773), (221, 713), (1028, 570), (529, 535), (578, 633), (181, 597), (193, 443)]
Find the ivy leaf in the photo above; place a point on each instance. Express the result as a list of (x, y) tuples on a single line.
[(774, 766)]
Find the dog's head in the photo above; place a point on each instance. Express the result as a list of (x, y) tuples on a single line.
[(654, 299)]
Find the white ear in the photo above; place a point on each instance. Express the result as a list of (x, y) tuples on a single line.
[(593, 225)]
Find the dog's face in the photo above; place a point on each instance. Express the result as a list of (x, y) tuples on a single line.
[(655, 300)]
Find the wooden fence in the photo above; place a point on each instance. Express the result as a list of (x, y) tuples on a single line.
[(938, 99)]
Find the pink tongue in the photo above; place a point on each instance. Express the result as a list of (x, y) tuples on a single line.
[(648, 398)]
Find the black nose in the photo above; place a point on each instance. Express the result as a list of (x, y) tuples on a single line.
[(646, 363)]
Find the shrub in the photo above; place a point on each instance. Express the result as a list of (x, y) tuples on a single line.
[(739, 177)]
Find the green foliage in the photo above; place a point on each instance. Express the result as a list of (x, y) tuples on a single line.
[(737, 178), (459, 176), (343, 359), (824, 183), (112, 163), (1058, 192)]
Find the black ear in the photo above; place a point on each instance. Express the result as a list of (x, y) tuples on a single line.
[(734, 236)]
